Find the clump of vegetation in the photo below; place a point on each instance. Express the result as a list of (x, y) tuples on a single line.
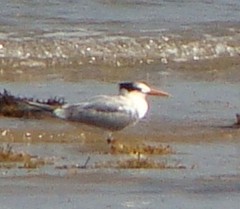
[(10, 158), (14, 106), (8, 155), (138, 159), (118, 148)]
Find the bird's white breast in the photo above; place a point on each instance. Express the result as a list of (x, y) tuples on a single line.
[(138, 104), (141, 107)]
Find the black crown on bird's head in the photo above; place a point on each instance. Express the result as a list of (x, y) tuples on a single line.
[(130, 86), (134, 86)]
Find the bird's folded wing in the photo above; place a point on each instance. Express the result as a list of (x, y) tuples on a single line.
[(108, 114)]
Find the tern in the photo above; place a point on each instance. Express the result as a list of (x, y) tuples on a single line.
[(110, 113)]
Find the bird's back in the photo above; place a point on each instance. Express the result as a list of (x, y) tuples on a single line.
[(107, 112)]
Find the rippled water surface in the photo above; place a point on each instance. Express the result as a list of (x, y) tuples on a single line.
[(43, 34)]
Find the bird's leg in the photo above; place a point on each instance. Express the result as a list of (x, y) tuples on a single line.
[(110, 139), (111, 142)]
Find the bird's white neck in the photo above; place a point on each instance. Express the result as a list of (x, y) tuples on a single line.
[(138, 100)]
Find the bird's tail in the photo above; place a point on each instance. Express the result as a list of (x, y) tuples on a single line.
[(40, 106)]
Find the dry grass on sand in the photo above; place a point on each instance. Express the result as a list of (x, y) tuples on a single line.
[(10, 158)]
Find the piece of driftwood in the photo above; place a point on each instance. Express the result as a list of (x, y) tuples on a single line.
[(15, 106), (238, 119)]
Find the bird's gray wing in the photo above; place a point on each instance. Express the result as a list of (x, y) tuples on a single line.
[(111, 113)]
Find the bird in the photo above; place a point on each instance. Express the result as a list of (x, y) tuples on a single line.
[(107, 112)]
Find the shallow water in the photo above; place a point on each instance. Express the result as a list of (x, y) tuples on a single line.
[(76, 49), (210, 180), (196, 122), (112, 16), (77, 34)]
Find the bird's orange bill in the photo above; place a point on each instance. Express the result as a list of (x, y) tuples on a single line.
[(156, 92)]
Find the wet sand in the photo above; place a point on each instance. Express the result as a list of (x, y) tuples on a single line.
[(196, 123), (120, 190)]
